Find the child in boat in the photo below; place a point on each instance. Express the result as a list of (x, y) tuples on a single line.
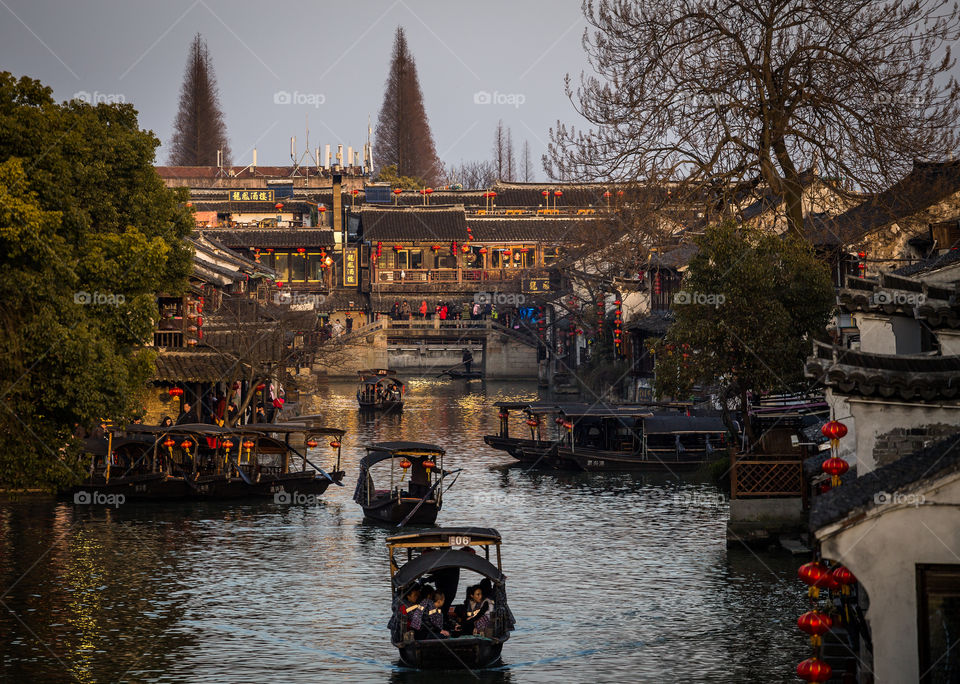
[(477, 611), (412, 608), (434, 614)]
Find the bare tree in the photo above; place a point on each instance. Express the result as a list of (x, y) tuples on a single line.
[(403, 136), (526, 163), (511, 159), (199, 130), (500, 150), (729, 91), (472, 175)]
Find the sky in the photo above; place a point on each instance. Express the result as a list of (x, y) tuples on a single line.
[(285, 65)]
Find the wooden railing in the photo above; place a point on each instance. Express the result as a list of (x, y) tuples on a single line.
[(765, 478), (400, 276)]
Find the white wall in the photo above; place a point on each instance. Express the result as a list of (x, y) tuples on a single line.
[(876, 418), (883, 550)]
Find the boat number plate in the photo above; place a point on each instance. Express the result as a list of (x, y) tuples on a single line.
[(459, 541)]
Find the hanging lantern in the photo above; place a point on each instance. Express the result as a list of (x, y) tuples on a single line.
[(186, 444), (619, 193), (568, 424), (532, 422), (842, 576), (453, 247), (607, 194), (397, 248), (335, 444), (248, 445), (355, 192), (312, 443), (261, 387), (279, 284), (482, 250), (405, 464), (503, 415), (814, 670), (176, 392), (835, 467), (428, 464), (169, 443), (322, 209), (834, 430), (436, 248), (228, 444), (464, 249), (278, 206), (815, 624), (812, 574), (301, 250), (558, 421), (545, 193), (397, 191), (558, 193), (429, 191)]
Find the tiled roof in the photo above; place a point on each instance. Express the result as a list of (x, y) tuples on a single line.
[(422, 224), (531, 228), (858, 495), (226, 206), (912, 377), (193, 366), (931, 264), (927, 184), (272, 237)]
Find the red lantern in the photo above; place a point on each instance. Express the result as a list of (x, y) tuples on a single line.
[(503, 415), (464, 249), (607, 194), (312, 443), (186, 444), (483, 250), (842, 576), (261, 387), (302, 250), (279, 284), (248, 445), (429, 191), (558, 193), (428, 464), (814, 670), (335, 444), (397, 248), (835, 467), (812, 574), (397, 191), (816, 624), (619, 193), (532, 422), (278, 206), (559, 421), (545, 193), (436, 248), (355, 192), (168, 443), (322, 209), (228, 444), (405, 464), (176, 392), (834, 430)]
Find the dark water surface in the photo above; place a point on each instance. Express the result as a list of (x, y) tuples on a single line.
[(610, 577)]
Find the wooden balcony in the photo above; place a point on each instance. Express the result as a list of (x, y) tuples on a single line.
[(772, 476)]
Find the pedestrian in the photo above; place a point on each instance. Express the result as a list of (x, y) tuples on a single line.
[(443, 312), (395, 310), (423, 309), (186, 415), (476, 311), (405, 312), (349, 319)]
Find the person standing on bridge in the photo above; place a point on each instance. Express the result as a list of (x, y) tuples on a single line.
[(423, 309)]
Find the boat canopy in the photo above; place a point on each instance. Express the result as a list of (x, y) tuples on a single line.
[(448, 558), (188, 428), (607, 412), (397, 447), (287, 428), (441, 536), (683, 424), (415, 451)]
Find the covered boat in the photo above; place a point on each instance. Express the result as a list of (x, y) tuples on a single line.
[(408, 487), (380, 389), (444, 559), (538, 441)]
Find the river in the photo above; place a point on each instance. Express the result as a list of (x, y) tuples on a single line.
[(610, 577)]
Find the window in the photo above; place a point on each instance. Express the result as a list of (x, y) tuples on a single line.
[(298, 267), (280, 265), (403, 258), (938, 607), (415, 258), (314, 267), (550, 255)]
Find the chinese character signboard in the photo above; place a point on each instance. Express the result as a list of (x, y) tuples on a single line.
[(534, 285), (251, 196), (350, 275)]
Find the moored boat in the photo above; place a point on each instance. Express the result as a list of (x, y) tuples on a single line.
[(440, 559)]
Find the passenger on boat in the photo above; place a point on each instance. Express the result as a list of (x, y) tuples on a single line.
[(260, 416), (467, 359), (477, 611), (166, 421), (410, 606), (419, 483), (186, 416), (435, 615)]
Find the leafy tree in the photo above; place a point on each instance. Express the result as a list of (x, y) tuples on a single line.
[(723, 92), (749, 305), (388, 174), (199, 130), (88, 236), (403, 136)]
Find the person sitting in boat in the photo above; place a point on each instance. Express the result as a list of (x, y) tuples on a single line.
[(477, 611), (410, 607), (186, 416), (166, 421), (419, 483), (434, 614)]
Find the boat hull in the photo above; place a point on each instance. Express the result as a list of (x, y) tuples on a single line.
[(524, 450), (393, 511), (459, 653), (593, 460), (307, 483)]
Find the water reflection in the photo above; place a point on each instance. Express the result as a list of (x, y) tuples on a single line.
[(611, 577)]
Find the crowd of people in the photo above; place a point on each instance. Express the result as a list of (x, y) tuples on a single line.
[(429, 617), (444, 310)]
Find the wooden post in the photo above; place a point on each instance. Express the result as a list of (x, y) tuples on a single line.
[(733, 474)]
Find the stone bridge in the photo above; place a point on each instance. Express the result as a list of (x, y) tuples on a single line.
[(425, 347)]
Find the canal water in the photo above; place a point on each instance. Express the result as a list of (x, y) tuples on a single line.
[(610, 577)]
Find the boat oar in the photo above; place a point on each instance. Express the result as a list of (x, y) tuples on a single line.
[(429, 492), (450, 369), (316, 467)]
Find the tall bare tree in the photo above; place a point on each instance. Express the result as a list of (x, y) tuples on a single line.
[(720, 92), (500, 150), (199, 130), (403, 137), (526, 163), (511, 159)]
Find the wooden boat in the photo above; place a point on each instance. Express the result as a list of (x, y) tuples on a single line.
[(440, 556), (544, 436), (416, 501), (205, 462), (464, 375), (627, 439), (379, 389)]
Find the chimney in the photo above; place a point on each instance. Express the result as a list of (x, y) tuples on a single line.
[(337, 205)]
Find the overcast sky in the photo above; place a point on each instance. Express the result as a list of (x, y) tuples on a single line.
[(478, 62)]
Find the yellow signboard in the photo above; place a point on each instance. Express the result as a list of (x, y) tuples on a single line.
[(251, 195), (350, 275), (535, 285)]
